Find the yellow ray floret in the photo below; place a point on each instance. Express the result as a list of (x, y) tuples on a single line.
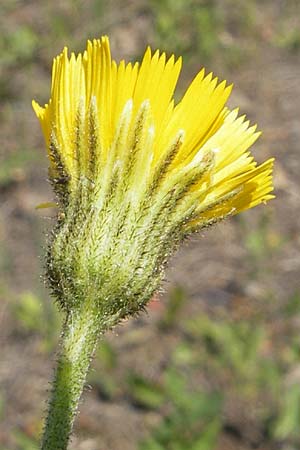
[(117, 127)]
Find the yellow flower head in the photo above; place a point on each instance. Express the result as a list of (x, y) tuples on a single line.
[(134, 172)]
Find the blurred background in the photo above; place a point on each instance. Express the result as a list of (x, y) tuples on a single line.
[(215, 363)]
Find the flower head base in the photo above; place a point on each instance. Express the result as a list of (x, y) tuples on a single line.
[(135, 174)]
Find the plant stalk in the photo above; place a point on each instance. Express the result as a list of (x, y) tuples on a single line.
[(80, 336)]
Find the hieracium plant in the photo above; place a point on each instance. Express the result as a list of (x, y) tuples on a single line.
[(134, 174)]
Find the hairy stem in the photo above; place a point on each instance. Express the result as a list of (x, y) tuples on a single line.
[(79, 339)]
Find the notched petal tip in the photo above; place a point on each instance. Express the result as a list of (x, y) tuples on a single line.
[(148, 52), (39, 110), (65, 52), (104, 39), (156, 56), (228, 88)]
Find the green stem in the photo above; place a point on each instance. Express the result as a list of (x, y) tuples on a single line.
[(80, 336)]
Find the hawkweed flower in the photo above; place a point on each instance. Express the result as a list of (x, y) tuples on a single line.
[(134, 174)]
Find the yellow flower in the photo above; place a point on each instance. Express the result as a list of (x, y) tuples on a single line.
[(135, 173), (109, 121)]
